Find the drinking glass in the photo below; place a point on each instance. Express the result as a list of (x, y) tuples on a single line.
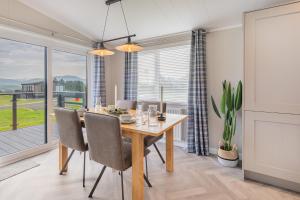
[(139, 115), (98, 104), (152, 115)]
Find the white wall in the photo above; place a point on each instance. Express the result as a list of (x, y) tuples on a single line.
[(224, 61), (17, 15)]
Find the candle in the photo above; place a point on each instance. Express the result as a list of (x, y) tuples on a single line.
[(161, 99), (116, 95)]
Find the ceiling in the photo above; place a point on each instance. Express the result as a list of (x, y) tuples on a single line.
[(147, 18)]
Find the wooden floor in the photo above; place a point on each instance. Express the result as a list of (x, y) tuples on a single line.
[(21, 139), (195, 178)]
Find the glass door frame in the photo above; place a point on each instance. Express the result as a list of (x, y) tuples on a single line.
[(50, 43)]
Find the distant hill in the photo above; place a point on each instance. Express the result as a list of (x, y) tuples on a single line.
[(8, 85)]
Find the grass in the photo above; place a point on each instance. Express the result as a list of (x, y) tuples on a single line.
[(5, 100), (25, 117)]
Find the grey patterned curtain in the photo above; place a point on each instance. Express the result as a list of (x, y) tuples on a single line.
[(197, 103), (99, 78), (130, 90)]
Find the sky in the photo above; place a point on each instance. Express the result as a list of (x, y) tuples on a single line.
[(26, 61)]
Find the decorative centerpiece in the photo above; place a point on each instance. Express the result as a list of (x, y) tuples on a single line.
[(115, 111), (231, 103), (161, 116)]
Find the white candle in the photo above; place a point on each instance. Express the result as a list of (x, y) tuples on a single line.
[(116, 95), (161, 99)]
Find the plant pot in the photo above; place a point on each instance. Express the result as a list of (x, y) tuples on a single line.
[(228, 158)]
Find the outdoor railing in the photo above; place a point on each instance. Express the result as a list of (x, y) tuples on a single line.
[(30, 99)]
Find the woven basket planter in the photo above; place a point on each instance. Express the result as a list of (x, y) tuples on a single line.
[(228, 158)]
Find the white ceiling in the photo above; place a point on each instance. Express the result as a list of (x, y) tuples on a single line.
[(147, 18)]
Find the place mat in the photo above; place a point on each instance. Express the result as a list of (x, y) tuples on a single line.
[(16, 168)]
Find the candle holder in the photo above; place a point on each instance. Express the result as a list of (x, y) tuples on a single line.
[(161, 117)]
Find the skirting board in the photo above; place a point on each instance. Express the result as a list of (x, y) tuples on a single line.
[(272, 181)]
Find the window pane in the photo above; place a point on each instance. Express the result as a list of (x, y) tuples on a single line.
[(22, 96), (167, 67), (69, 81)]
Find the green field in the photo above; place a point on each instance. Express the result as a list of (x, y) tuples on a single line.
[(27, 116), (5, 100)]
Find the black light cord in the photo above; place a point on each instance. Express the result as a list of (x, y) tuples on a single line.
[(105, 22), (124, 17)]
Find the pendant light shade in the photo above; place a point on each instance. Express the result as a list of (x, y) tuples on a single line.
[(129, 47), (101, 51)]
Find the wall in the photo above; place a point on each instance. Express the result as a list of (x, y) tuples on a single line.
[(224, 61), (17, 15)]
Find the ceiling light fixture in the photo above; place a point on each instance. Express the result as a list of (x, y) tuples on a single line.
[(127, 47)]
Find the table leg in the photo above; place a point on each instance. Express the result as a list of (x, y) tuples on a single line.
[(169, 150), (137, 166), (63, 156)]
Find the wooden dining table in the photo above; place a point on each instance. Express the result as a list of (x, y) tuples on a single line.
[(137, 132)]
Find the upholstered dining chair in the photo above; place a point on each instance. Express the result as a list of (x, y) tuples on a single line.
[(126, 104), (70, 134), (107, 147), (151, 140)]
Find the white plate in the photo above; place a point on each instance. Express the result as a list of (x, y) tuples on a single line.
[(128, 121)]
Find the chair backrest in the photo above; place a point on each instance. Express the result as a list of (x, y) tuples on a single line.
[(70, 130), (145, 105), (105, 140), (127, 104)]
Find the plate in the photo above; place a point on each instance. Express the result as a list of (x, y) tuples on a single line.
[(131, 121)]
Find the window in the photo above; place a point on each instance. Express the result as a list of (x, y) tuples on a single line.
[(22, 96), (69, 81), (167, 67)]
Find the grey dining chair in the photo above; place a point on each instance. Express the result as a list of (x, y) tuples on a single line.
[(107, 147), (70, 134), (151, 140), (127, 104)]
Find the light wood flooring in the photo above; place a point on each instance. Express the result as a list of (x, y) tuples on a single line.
[(195, 178)]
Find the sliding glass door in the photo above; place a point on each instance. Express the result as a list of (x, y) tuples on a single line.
[(22, 96), (69, 73)]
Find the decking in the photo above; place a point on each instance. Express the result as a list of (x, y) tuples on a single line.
[(22, 139)]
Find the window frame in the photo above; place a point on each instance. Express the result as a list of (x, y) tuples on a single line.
[(50, 43)]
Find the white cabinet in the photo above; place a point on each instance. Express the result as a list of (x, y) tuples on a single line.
[(272, 59), (271, 145)]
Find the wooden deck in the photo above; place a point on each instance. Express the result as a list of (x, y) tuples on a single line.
[(22, 139)]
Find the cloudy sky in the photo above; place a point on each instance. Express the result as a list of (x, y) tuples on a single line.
[(25, 61)]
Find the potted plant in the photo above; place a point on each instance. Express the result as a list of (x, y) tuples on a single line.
[(231, 103)]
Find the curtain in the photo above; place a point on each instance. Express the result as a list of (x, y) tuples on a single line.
[(130, 90), (99, 78), (197, 100)]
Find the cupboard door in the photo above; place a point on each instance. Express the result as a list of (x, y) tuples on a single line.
[(271, 145), (272, 59)]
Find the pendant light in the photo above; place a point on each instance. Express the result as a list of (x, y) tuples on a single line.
[(101, 50), (127, 47)]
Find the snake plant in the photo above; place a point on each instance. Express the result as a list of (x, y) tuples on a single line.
[(231, 103)]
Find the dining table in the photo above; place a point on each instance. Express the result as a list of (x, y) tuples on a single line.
[(137, 133)]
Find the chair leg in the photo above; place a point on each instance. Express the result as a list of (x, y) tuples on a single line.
[(146, 165), (147, 181), (122, 185), (97, 181), (66, 163), (84, 157), (161, 157)]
